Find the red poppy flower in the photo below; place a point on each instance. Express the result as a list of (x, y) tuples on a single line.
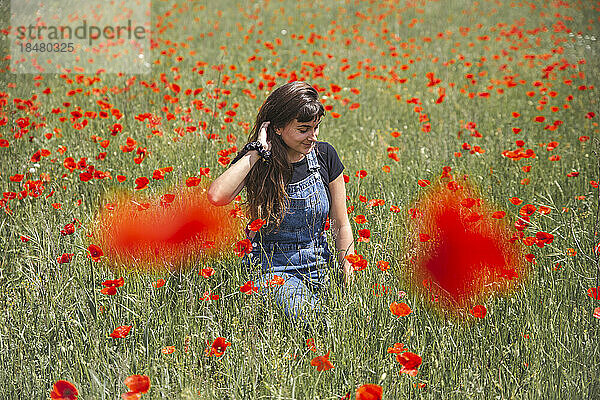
[(68, 229), (168, 350), (478, 311), (64, 390), (121, 178), (138, 383), (192, 181), (95, 252), (515, 200), (527, 210), (322, 362), (423, 237), (360, 219), (110, 290), (243, 247), (498, 214), (206, 272), (400, 309), (159, 283), (364, 235), (544, 210), (369, 391), (397, 349), (121, 332), (361, 174), (544, 238), (410, 362), (218, 347), (114, 282), (277, 280), (248, 288), (141, 182), (256, 224), (65, 258), (469, 202), (596, 312), (383, 265), (594, 292), (423, 182), (25, 239)]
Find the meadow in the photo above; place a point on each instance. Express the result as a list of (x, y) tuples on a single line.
[(500, 94)]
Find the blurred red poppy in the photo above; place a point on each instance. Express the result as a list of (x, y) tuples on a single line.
[(218, 347), (65, 258), (243, 247), (248, 288), (498, 214), (400, 309), (121, 332), (383, 265), (360, 219), (423, 237), (369, 392), (64, 390), (364, 235), (410, 362), (206, 272), (95, 252), (515, 200), (192, 181), (138, 383), (141, 182), (256, 224), (114, 282), (478, 311), (322, 362)]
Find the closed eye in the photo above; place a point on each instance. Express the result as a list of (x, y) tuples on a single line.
[(316, 127)]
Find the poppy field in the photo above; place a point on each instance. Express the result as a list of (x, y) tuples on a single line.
[(470, 139)]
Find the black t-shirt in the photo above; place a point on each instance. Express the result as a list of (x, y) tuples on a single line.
[(330, 166)]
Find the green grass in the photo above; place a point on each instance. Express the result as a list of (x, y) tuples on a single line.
[(539, 342)]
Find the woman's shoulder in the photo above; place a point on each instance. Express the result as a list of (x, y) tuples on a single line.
[(325, 147)]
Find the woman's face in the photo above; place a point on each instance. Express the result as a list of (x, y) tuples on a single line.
[(300, 138)]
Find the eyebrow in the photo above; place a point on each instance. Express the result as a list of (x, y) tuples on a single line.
[(306, 125)]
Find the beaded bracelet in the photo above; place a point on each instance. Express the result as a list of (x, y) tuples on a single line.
[(264, 154)]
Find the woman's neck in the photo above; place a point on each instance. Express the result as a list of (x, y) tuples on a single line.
[(294, 158)]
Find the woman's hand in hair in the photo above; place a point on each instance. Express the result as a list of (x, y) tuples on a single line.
[(262, 135)]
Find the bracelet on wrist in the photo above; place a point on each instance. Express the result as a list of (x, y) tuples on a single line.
[(264, 154)]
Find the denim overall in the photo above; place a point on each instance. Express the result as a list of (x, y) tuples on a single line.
[(298, 250)]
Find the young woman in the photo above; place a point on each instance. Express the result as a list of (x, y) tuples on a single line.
[(293, 183)]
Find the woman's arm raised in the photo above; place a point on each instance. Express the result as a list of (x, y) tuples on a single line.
[(229, 184), (340, 226)]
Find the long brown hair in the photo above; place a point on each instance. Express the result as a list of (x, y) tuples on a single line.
[(267, 198)]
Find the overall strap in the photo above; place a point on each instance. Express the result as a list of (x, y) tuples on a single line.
[(313, 163)]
